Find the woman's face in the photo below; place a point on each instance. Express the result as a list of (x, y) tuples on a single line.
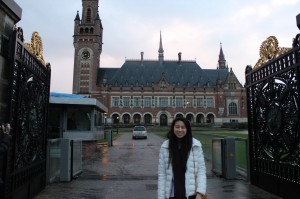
[(180, 129)]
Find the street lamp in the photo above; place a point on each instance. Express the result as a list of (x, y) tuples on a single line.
[(105, 117), (117, 124)]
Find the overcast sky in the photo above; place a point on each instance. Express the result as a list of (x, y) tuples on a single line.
[(193, 27)]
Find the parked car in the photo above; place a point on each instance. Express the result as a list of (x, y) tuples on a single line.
[(139, 132)]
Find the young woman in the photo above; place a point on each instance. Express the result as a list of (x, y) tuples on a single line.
[(181, 168)]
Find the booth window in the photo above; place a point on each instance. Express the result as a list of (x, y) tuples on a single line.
[(79, 119)]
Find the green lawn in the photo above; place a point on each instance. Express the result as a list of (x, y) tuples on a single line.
[(206, 140)]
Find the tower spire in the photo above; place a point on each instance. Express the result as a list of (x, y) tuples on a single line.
[(160, 51), (222, 61), (77, 18)]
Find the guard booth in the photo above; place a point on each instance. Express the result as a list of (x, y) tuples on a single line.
[(274, 118), (25, 167)]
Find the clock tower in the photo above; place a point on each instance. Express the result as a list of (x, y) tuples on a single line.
[(88, 46)]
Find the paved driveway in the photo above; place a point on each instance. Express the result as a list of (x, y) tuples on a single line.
[(126, 170), (129, 170)]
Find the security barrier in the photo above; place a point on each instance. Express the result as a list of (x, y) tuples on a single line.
[(64, 160)]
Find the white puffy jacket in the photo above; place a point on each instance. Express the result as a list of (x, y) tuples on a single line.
[(195, 165)]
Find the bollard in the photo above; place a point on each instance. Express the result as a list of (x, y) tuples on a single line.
[(109, 138)]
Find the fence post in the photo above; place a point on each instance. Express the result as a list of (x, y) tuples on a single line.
[(65, 158)]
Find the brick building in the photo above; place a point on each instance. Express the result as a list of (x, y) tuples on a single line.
[(153, 91)]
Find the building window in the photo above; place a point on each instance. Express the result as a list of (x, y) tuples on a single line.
[(232, 108), (163, 102), (179, 102), (88, 15), (234, 121), (210, 102), (121, 102), (189, 102), (126, 101), (137, 101), (98, 120), (155, 102), (231, 85), (79, 119), (199, 102), (115, 102), (147, 101)]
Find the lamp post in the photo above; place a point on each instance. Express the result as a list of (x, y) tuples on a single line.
[(117, 124), (105, 117)]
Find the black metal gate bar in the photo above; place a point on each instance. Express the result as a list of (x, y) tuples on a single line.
[(30, 88), (274, 124)]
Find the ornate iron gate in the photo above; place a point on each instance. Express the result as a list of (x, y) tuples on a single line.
[(274, 119), (30, 87)]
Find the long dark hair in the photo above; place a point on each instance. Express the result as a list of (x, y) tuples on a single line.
[(186, 141)]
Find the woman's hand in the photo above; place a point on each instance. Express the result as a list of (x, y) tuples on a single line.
[(198, 196), (6, 128)]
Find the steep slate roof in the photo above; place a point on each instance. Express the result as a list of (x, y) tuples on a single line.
[(185, 74), (214, 74), (105, 72)]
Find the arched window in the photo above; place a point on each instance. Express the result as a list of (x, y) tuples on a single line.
[(116, 118), (88, 16), (232, 108), (210, 119), (137, 119), (190, 118), (92, 31), (147, 119), (179, 115), (126, 119), (200, 118)]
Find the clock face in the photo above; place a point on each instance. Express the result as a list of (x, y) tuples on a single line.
[(85, 54)]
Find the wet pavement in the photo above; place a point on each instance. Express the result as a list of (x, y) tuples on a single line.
[(129, 170)]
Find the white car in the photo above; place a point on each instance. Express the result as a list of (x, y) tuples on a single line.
[(139, 132)]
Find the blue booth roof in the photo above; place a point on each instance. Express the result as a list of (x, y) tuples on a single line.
[(54, 94)]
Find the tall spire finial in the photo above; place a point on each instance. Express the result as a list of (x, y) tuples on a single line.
[(160, 51), (77, 18), (222, 61)]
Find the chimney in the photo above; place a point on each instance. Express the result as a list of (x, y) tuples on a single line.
[(179, 58), (142, 58)]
